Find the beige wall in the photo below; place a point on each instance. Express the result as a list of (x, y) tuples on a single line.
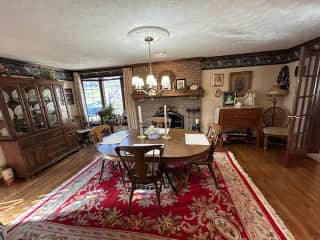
[(263, 79)]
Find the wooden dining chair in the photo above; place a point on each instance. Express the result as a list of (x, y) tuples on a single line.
[(214, 134), (159, 121), (144, 166), (97, 134)]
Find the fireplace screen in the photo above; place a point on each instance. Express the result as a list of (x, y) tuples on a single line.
[(177, 120)]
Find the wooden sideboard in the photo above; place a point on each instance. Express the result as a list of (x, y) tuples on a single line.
[(240, 118), (35, 126)]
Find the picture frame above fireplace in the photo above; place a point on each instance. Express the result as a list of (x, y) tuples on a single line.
[(181, 84)]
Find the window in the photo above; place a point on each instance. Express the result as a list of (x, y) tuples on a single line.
[(99, 93), (113, 95)]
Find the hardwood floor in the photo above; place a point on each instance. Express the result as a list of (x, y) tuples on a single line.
[(293, 192), (19, 197)]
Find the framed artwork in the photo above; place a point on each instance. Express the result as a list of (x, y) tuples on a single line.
[(171, 76), (228, 98), (69, 95), (240, 82), (180, 84), (218, 80)]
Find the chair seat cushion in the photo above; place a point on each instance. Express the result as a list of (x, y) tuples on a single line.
[(275, 131)]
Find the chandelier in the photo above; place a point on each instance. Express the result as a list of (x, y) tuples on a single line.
[(151, 88)]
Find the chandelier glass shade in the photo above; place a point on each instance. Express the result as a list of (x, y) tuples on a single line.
[(137, 82), (151, 82)]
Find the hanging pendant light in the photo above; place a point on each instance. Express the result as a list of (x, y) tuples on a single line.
[(151, 81)]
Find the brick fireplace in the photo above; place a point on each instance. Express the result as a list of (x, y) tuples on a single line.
[(177, 119), (187, 107)]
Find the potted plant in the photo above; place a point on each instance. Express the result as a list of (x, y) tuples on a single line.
[(107, 115)]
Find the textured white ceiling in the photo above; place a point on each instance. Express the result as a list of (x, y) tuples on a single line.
[(77, 34)]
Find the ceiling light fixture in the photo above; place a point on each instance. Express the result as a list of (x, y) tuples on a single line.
[(150, 33)]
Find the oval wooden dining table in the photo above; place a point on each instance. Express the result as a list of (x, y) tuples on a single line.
[(175, 148)]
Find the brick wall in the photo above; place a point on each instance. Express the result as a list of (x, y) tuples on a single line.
[(188, 69)]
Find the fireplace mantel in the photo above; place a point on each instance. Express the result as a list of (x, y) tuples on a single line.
[(170, 93)]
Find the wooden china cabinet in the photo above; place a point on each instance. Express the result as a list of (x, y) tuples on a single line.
[(35, 126)]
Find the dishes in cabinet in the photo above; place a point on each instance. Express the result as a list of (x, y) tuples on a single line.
[(36, 107), (46, 93), (52, 118), (50, 107), (4, 132), (19, 111), (6, 96), (15, 95), (11, 113), (32, 95)]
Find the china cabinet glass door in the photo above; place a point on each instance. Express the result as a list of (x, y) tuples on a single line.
[(4, 129), (34, 104), (50, 107), (61, 101), (16, 110)]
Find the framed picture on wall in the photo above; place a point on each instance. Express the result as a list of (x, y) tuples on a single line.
[(240, 82), (218, 80), (228, 98), (180, 84), (69, 95)]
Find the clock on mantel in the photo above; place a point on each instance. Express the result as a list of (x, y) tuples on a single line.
[(170, 93)]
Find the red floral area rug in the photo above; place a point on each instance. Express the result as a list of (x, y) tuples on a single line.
[(83, 208)]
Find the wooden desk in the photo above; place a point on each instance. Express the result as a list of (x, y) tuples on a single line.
[(239, 118)]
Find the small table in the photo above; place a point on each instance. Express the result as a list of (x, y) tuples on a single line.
[(84, 135)]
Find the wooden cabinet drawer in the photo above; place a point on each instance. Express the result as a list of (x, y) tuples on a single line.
[(54, 133), (240, 118), (69, 127), (34, 155), (242, 114), (72, 140)]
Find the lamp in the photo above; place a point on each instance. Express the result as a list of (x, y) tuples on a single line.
[(151, 33), (275, 92)]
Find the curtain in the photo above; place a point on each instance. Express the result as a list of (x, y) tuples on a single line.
[(80, 100), (129, 102)]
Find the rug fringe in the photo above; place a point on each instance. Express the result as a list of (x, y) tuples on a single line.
[(267, 205)]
